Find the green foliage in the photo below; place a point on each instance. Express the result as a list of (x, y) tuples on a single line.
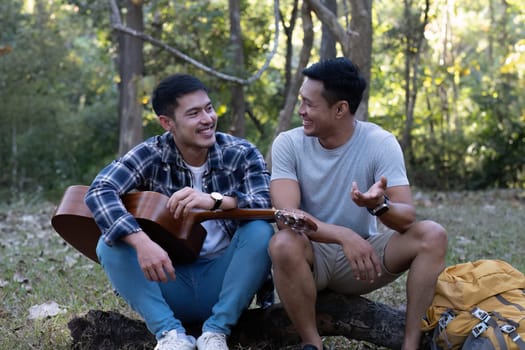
[(501, 149), (50, 84), (9, 15), (469, 114), (59, 96), (201, 30)]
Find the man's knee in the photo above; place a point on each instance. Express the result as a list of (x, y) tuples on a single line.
[(279, 243), (433, 236), (285, 248)]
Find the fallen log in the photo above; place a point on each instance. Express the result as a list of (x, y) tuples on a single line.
[(337, 315)]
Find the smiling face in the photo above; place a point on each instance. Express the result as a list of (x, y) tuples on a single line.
[(318, 117), (193, 126), (332, 124)]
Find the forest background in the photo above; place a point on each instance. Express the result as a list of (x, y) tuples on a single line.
[(446, 77)]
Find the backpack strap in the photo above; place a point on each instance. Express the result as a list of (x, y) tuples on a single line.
[(504, 301), (487, 321), (444, 320), (510, 330), (509, 327)]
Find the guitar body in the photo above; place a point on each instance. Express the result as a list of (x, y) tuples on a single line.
[(74, 222), (181, 238)]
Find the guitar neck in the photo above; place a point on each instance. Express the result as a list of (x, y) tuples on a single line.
[(237, 214)]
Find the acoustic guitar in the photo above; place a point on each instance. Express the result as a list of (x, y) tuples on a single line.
[(181, 238)]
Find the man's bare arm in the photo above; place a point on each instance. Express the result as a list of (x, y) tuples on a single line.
[(285, 194)]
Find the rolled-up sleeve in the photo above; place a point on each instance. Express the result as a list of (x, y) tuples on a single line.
[(104, 195)]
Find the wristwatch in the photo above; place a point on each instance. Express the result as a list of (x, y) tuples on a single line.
[(381, 208), (217, 197)]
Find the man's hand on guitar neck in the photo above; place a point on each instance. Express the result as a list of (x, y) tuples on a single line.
[(297, 220), (153, 260)]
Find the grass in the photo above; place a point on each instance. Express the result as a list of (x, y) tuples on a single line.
[(38, 267)]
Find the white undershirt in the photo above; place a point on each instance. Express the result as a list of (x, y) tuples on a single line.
[(216, 239)]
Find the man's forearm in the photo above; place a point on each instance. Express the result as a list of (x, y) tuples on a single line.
[(399, 217)]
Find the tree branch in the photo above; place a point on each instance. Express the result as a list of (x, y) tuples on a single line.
[(330, 20), (116, 23)]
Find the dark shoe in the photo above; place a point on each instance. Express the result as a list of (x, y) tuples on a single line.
[(309, 347), (312, 347)]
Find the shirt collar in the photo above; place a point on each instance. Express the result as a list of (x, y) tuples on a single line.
[(171, 154)]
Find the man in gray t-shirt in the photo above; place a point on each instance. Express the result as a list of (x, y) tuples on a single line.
[(343, 174)]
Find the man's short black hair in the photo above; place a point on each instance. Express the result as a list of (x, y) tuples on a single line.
[(165, 95), (342, 80)]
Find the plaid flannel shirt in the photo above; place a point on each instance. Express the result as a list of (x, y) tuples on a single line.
[(235, 168)]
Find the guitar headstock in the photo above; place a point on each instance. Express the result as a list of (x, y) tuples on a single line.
[(297, 221)]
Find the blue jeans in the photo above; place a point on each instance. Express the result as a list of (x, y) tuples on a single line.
[(214, 291)]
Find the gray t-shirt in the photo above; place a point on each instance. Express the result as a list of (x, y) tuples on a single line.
[(325, 176)]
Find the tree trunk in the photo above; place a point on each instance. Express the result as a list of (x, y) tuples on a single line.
[(356, 42), (352, 317), (328, 49), (131, 65), (237, 91), (285, 115), (361, 47), (414, 40), (337, 315), (288, 31)]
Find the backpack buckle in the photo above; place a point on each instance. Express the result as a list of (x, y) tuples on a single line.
[(479, 329), (507, 328), (445, 319), (510, 330), (482, 315)]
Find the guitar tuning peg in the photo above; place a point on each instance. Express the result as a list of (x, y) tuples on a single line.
[(290, 220)]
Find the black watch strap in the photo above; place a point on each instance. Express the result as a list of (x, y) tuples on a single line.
[(381, 208), (217, 197)]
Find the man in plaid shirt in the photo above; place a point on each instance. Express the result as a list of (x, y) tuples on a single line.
[(197, 168)]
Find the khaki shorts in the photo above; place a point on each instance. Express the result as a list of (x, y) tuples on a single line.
[(333, 271)]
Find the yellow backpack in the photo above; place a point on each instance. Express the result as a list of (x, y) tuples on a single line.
[(478, 305)]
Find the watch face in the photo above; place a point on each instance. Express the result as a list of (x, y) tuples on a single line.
[(216, 195)]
